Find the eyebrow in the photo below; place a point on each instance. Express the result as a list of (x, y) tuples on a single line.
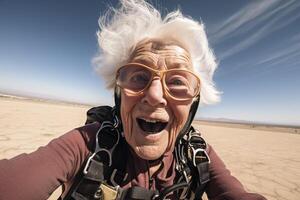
[(178, 65), (172, 65), (145, 61)]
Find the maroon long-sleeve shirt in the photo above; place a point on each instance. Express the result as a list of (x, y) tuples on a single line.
[(36, 175)]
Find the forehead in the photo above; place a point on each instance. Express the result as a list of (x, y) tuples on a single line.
[(158, 54)]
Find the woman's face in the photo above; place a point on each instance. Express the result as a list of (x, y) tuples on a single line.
[(153, 107)]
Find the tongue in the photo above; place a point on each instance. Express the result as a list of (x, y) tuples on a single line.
[(151, 127)]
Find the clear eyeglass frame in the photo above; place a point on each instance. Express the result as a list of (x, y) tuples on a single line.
[(161, 74)]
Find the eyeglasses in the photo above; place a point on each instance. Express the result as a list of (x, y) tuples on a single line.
[(179, 84)]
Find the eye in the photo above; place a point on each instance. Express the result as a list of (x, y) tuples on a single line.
[(139, 77), (177, 80), (181, 83)]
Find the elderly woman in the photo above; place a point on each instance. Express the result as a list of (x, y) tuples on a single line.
[(144, 147)]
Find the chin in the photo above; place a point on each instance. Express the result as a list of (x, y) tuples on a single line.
[(149, 152)]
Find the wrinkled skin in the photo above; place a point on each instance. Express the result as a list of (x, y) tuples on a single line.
[(153, 102)]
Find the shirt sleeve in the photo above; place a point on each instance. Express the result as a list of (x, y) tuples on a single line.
[(36, 175), (223, 185)]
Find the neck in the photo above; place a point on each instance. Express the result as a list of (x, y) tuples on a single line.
[(154, 166)]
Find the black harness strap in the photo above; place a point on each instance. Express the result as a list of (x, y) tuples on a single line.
[(139, 193), (193, 163), (201, 161), (76, 182), (99, 168), (96, 171)]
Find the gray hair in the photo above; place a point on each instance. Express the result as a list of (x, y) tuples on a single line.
[(121, 29)]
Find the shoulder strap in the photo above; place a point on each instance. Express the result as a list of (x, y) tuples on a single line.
[(100, 167), (192, 162), (99, 114), (200, 161)]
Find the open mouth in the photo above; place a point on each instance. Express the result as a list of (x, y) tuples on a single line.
[(151, 126)]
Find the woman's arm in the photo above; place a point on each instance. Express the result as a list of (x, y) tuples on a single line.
[(36, 175), (223, 185)]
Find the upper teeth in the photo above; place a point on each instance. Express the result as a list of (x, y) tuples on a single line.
[(151, 120)]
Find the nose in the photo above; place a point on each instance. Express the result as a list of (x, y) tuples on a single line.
[(154, 95)]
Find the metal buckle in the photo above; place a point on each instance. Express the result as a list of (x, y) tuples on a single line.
[(113, 175), (88, 163), (105, 124), (198, 147), (202, 152), (116, 122), (155, 196), (107, 192)]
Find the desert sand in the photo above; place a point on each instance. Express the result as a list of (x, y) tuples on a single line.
[(266, 161)]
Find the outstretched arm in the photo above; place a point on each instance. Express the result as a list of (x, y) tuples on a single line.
[(36, 175)]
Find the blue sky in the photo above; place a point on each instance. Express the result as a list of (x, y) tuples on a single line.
[(46, 49)]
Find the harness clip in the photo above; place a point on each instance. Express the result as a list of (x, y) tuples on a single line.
[(106, 148), (198, 155)]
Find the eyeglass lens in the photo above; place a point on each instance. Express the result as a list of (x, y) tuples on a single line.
[(180, 84)]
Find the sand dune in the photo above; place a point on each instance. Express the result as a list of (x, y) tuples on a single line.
[(266, 161)]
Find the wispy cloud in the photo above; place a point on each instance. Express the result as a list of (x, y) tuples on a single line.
[(254, 22), (281, 55), (285, 55), (295, 38), (234, 23), (244, 43)]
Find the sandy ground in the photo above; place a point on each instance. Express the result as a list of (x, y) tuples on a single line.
[(267, 162)]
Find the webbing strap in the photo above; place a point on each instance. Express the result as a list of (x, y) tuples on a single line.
[(203, 172), (96, 171), (86, 190), (139, 193), (193, 161)]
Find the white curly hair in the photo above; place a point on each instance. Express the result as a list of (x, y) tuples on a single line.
[(123, 28)]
